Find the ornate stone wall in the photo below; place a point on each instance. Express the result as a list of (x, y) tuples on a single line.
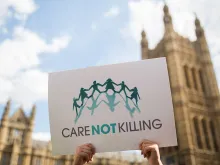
[(18, 148), (195, 94)]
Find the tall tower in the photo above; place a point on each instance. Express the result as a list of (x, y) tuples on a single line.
[(4, 123), (27, 147), (144, 45), (195, 95), (16, 137), (4, 127)]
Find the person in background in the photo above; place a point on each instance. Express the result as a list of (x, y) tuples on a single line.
[(149, 150)]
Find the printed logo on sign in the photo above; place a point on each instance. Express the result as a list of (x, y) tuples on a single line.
[(130, 97)]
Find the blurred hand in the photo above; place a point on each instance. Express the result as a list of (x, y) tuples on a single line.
[(150, 150), (84, 154)]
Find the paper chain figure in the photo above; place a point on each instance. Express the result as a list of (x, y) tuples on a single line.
[(109, 85)]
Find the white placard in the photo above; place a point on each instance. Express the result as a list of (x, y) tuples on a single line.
[(117, 106)]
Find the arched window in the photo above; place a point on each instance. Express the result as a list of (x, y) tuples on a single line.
[(197, 133), (212, 128), (20, 159), (202, 81), (5, 160), (182, 160), (186, 76), (206, 135), (59, 162), (9, 134), (195, 83), (15, 133), (38, 161)]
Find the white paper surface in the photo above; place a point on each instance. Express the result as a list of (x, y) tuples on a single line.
[(154, 110)]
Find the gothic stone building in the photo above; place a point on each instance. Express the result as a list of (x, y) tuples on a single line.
[(18, 148), (195, 95), (196, 102)]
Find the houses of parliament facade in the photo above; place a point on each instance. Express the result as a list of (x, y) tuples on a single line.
[(196, 102)]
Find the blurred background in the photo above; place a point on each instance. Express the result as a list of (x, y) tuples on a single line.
[(41, 36)]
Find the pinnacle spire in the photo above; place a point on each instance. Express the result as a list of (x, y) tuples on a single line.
[(167, 18), (8, 104), (166, 9), (199, 29), (144, 42), (33, 112), (7, 109), (144, 45), (197, 21), (143, 34)]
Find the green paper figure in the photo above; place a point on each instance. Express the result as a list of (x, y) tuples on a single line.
[(135, 95), (75, 105), (83, 95), (95, 88), (111, 99), (109, 85), (123, 88)]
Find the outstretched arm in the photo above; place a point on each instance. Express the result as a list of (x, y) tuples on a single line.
[(84, 154), (103, 84), (79, 96), (130, 90), (90, 87), (138, 95), (150, 150), (98, 84), (115, 83)]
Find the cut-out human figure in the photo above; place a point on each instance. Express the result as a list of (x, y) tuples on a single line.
[(123, 88), (94, 104), (111, 101), (95, 88), (135, 95), (83, 95), (75, 105), (80, 112), (109, 85)]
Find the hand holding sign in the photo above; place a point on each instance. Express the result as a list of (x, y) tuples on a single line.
[(149, 150), (84, 154)]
